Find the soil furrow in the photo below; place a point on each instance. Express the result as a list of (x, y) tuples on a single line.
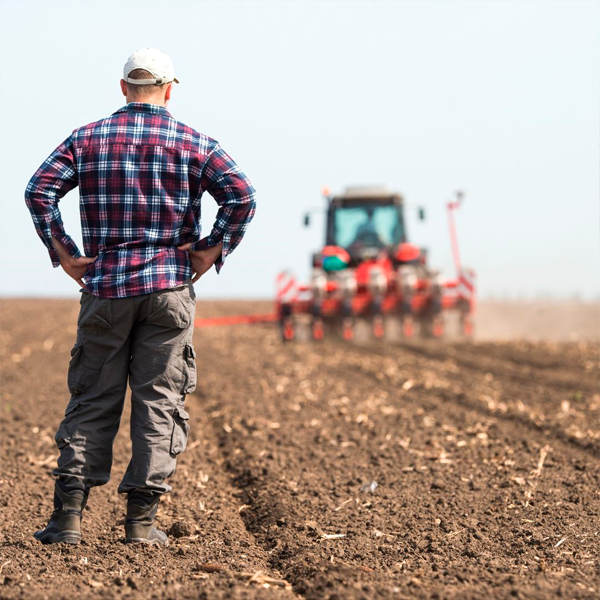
[(529, 404), (570, 357), (470, 357)]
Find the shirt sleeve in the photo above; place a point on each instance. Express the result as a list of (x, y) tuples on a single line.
[(50, 183), (234, 194)]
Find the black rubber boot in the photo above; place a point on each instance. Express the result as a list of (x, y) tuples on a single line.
[(65, 523), (141, 510)]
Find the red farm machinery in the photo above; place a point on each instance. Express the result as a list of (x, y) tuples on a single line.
[(369, 277)]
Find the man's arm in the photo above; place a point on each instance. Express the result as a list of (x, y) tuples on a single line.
[(51, 182), (234, 194)]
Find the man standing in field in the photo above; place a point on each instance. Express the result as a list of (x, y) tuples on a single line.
[(141, 175)]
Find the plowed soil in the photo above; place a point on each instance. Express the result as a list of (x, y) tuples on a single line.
[(323, 470)]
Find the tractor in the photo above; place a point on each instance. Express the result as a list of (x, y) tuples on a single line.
[(368, 273)]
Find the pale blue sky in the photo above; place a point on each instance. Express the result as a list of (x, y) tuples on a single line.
[(499, 98)]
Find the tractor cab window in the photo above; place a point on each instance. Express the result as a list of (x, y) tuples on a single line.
[(367, 226)]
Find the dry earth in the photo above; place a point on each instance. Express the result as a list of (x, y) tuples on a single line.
[(325, 470)]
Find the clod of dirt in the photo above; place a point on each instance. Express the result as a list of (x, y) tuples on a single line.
[(314, 528), (210, 567), (132, 583), (180, 529)]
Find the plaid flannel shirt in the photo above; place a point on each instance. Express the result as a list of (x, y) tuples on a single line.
[(141, 175)]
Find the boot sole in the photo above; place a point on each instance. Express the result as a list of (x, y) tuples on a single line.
[(146, 541), (62, 537)]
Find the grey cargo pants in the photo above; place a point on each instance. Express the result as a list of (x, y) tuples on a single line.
[(146, 340)]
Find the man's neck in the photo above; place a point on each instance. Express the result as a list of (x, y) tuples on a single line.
[(155, 101)]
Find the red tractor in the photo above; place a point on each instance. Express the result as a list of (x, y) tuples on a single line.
[(368, 273)]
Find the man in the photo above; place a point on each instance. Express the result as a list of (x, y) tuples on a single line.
[(141, 175)]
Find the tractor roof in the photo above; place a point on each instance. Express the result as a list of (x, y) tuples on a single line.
[(362, 194)]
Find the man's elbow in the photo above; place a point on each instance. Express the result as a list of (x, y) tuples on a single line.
[(251, 209), (252, 197), (38, 193), (31, 192)]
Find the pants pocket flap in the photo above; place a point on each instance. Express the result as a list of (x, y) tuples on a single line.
[(181, 429), (182, 414), (189, 365)]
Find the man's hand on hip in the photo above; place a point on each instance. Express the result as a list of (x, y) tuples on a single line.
[(202, 260), (73, 267)]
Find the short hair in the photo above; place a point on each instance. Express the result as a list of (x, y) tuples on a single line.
[(138, 91)]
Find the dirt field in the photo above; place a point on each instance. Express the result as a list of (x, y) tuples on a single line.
[(325, 471)]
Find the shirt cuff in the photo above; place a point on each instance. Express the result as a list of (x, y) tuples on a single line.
[(54, 257), (68, 243), (209, 242)]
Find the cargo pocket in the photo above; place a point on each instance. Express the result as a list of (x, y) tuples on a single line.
[(75, 374), (189, 369), (181, 429)]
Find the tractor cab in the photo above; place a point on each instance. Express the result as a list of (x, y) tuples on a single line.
[(364, 222)]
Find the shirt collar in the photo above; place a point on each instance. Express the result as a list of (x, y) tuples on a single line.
[(143, 107)]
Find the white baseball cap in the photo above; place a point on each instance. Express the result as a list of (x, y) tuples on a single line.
[(154, 61)]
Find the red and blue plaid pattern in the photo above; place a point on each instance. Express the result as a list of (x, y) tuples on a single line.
[(141, 175)]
